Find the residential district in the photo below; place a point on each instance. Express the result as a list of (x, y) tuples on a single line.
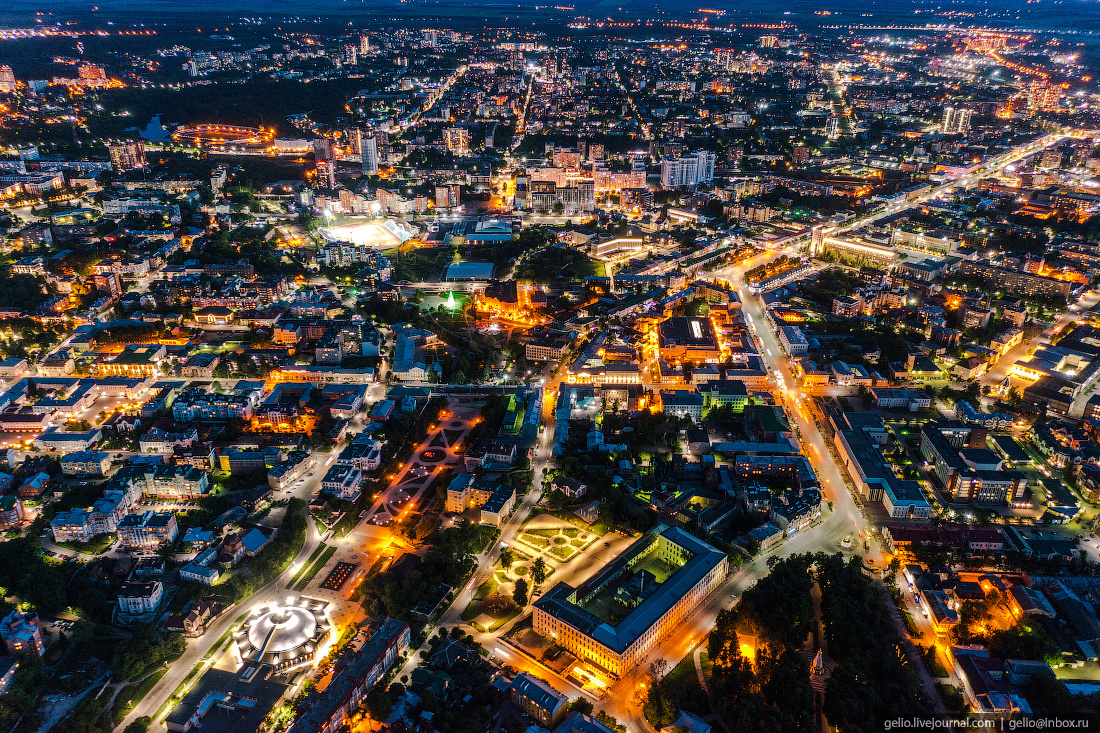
[(679, 374)]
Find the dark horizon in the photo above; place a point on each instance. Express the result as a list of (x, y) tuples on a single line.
[(1080, 17)]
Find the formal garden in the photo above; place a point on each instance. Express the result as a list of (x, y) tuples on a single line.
[(553, 538), (504, 595)]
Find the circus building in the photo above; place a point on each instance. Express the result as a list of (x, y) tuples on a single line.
[(284, 636)]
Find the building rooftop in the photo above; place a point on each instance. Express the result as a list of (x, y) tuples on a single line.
[(224, 702), (620, 636), (470, 271), (538, 692), (686, 331)]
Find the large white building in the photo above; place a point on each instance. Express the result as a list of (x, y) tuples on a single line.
[(368, 149), (659, 580), (956, 120), (81, 525), (139, 599), (691, 170)]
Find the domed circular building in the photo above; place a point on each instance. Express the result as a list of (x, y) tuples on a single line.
[(284, 635)]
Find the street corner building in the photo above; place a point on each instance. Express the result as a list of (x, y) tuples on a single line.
[(613, 621)]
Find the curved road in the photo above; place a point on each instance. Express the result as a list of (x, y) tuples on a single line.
[(198, 648)]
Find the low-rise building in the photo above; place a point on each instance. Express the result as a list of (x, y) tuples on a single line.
[(970, 474), (564, 614), (893, 397), (547, 349), (496, 501), (326, 711), (285, 473), (22, 634), (86, 463), (682, 403), (794, 341), (138, 600), (538, 699), (343, 481), (203, 569), (136, 360), (724, 392), (858, 438)]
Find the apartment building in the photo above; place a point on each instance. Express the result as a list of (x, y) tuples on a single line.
[(328, 710), (496, 501), (197, 405), (86, 463), (1014, 281), (343, 481), (970, 474), (81, 525), (148, 530), (547, 349)]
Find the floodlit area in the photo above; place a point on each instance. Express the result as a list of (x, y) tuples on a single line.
[(369, 233)]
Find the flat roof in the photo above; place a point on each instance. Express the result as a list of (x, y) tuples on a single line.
[(470, 271), (620, 636), (226, 703), (687, 331)]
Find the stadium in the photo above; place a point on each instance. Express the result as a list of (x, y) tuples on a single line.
[(216, 135), (370, 233)]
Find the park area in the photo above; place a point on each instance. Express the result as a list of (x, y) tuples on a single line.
[(553, 538), (493, 604)]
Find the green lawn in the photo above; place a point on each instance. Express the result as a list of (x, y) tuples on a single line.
[(96, 546), (598, 529), (499, 620), (131, 695), (681, 688), (474, 609), (535, 540), (346, 524), (316, 553), (311, 570), (564, 552)]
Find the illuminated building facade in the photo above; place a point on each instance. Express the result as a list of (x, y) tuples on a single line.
[(284, 635), (127, 155), (578, 620), (328, 710), (506, 298), (682, 338)]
